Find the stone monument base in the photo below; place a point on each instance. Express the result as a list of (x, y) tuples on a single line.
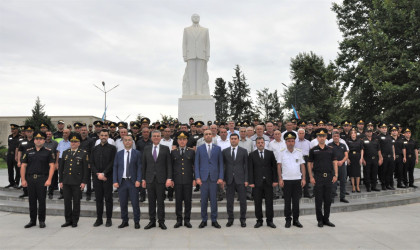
[(201, 108)]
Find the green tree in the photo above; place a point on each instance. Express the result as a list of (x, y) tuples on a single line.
[(315, 91), (39, 117), (222, 102), (268, 105), (166, 118), (379, 59), (239, 97)]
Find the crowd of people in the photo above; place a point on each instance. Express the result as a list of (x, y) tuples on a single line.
[(258, 161)]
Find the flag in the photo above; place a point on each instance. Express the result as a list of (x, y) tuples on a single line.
[(296, 113), (103, 116)]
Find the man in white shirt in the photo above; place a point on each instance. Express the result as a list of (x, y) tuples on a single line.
[(166, 139), (291, 171), (223, 141), (244, 141), (259, 132), (304, 145), (276, 146)]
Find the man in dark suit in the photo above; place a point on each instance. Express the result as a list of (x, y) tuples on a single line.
[(262, 166), (235, 162), (156, 173), (183, 178), (73, 176), (127, 178), (209, 173)]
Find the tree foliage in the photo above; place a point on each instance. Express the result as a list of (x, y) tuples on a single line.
[(268, 104), (222, 102), (239, 97), (39, 117)]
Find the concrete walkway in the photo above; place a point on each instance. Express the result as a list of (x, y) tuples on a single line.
[(385, 228)]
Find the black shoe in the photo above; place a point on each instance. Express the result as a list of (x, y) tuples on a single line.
[(412, 186), (320, 224), (137, 225), (30, 224), (308, 196), (359, 191), (187, 224), (123, 224), (142, 199), (328, 223), (162, 225), (203, 224), (150, 225), (288, 224), (297, 224), (50, 196), (215, 224), (258, 224), (344, 200), (229, 223), (171, 198), (271, 224), (376, 189), (220, 199), (383, 187), (42, 224), (98, 223), (68, 223), (88, 197), (16, 186), (401, 186), (61, 197), (390, 188), (178, 224), (243, 224), (276, 197), (197, 188), (108, 223), (74, 225), (10, 185), (347, 193), (23, 195)]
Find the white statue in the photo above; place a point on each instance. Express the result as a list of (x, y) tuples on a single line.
[(196, 52)]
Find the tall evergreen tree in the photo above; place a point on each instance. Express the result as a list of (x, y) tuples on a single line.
[(268, 105), (39, 117), (240, 97), (222, 102)]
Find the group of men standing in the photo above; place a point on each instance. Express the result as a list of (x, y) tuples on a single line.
[(255, 162)]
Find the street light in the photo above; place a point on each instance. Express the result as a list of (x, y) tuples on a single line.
[(105, 92)]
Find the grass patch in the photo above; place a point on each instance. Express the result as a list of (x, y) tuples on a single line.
[(3, 163)]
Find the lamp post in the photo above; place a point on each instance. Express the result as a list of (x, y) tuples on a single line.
[(105, 92)]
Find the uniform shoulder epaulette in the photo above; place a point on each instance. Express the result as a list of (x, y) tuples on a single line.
[(47, 148), (330, 146), (67, 150), (281, 150), (298, 149)]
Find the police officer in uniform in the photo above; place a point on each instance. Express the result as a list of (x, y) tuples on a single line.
[(59, 133), (370, 162), (13, 143), (37, 171), (323, 171), (386, 157), (87, 143), (98, 127), (26, 143), (113, 134), (183, 178), (411, 158), (398, 145), (73, 176)]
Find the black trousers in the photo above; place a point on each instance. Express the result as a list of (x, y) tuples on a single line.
[(409, 165), (387, 170), (306, 187), (183, 193), (230, 197), (322, 192), (54, 183), (37, 194), (103, 189), (156, 194), (399, 168), (370, 172), (266, 190), (89, 182), (12, 168), (292, 193), (71, 202)]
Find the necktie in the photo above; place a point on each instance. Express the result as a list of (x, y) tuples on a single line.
[(262, 156), (127, 172), (233, 153), (208, 151), (182, 151), (154, 154)]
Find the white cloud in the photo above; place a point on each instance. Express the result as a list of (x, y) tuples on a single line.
[(58, 49)]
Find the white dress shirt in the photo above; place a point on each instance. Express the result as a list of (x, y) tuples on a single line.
[(223, 144), (276, 146), (167, 143), (290, 164)]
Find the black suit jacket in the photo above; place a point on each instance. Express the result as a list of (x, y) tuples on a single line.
[(259, 168), (183, 166), (237, 168), (162, 168), (73, 169)]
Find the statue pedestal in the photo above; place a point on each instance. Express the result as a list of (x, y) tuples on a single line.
[(201, 108)]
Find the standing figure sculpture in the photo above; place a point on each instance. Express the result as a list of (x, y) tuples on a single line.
[(196, 53)]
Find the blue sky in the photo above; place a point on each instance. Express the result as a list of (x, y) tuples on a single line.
[(57, 50)]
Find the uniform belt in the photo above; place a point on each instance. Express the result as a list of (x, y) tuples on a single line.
[(354, 152), (409, 156), (325, 175), (35, 176)]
